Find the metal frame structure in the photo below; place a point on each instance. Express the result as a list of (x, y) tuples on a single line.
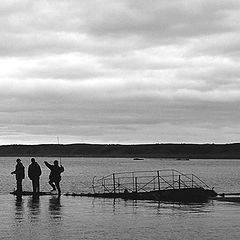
[(146, 181)]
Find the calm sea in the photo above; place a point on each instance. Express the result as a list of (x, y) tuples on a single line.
[(88, 218)]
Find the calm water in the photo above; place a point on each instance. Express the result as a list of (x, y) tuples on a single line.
[(88, 218)]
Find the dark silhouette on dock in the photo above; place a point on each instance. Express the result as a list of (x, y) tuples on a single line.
[(34, 173), (55, 175), (20, 175)]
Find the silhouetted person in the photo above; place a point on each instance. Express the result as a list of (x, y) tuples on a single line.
[(20, 175), (55, 175), (34, 173)]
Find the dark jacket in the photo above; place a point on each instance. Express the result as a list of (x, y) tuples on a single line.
[(19, 171), (34, 171), (55, 174)]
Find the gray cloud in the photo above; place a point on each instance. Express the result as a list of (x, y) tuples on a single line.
[(119, 71), (61, 26), (160, 22), (222, 45)]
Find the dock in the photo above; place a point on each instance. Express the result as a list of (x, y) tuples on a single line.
[(29, 193), (158, 185)]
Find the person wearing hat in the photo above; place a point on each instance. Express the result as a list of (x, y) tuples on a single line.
[(34, 173), (55, 175), (20, 174)]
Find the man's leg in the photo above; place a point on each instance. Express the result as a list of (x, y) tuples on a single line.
[(52, 184), (37, 185), (19, 185), (34, 186), (58, 187)]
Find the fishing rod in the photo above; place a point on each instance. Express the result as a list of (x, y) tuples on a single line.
[(59, 148)]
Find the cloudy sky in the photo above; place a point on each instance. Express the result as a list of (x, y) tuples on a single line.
[(129, 71)]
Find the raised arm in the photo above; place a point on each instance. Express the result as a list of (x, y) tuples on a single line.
[(48, 165), (62, 168)]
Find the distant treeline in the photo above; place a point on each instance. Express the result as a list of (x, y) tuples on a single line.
[(216, 151)]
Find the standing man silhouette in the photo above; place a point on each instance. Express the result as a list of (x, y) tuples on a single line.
[(20, 175), (55, 175), (34, 173)]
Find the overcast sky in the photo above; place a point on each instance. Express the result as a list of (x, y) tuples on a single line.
[(129, 71)]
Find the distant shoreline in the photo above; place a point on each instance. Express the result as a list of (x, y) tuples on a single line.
[(171, 151)]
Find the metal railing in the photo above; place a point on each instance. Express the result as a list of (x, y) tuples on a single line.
[(145, 181)]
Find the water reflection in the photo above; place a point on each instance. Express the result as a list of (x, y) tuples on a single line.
[(182, 208), (55, 207), (153, 207), (34, 207), (19, 208)]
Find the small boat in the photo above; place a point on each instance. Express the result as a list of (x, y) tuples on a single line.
[(182, 159), (138, 159), (227, 197)]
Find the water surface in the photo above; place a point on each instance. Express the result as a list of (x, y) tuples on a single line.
[(50, 217)]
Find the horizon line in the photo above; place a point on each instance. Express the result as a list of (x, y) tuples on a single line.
[(86, 143)]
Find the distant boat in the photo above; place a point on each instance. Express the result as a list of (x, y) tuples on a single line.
[(182, 159), (138, 159)]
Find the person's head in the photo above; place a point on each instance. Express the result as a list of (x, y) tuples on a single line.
[(18, 160), (33, 160), (55, 162)]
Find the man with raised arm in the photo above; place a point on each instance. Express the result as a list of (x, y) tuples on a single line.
[(55, 175)]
